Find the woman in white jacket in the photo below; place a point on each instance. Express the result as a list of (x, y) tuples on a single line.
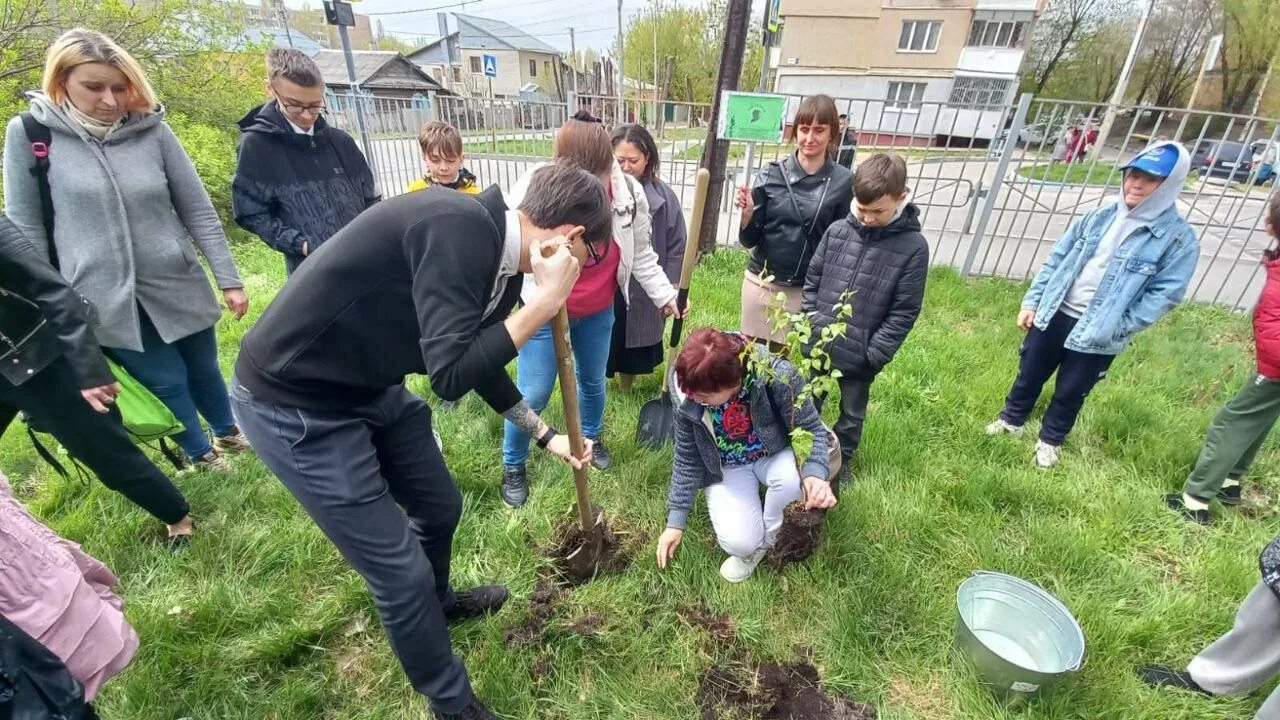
[(583, 141)]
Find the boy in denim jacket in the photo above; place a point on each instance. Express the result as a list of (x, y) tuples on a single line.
[(1116, 271)]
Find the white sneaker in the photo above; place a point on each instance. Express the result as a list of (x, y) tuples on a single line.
[(1000, 427), (1046, 454), (736, 569)]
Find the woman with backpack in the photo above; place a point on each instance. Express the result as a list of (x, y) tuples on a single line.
[(117, 218), (583, 141), (786, 214), (52, 370)]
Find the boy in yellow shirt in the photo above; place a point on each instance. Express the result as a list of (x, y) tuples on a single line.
[(442, 154)]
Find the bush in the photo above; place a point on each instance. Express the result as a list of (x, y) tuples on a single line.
[(213, 151)]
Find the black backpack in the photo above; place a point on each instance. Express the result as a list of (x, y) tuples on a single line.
[(34, 684)]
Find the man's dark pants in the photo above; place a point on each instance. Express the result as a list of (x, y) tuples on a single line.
[(354, 471), (1044, 352)]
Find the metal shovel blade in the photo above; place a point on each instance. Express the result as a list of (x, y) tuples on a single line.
[(582, 564), (657, 422)]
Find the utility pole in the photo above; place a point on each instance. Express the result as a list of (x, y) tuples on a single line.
[(1210, 60), (622, 76), (573, 53), (339, 13), (1262, 88), (657, 81), (715, 151), (1122, 85)]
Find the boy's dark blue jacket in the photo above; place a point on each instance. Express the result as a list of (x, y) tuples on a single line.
[(291, 188)]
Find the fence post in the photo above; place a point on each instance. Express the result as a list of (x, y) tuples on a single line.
[(997, 182)]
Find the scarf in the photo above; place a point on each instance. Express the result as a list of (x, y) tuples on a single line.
[(91, 125)]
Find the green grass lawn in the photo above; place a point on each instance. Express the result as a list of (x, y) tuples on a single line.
[(260, 618), (1079, 173), (530, 147)]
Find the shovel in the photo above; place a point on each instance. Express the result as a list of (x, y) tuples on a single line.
[(657, 416), (583, 561)]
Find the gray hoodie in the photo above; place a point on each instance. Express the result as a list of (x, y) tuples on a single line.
[(126, 210), (1126, 221)]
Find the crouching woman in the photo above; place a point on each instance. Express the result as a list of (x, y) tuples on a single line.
[(732, 435)]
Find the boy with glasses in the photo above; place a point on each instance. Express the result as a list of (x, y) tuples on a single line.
[(298, 180)]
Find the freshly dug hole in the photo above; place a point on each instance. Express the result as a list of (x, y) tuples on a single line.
[(773, 692), (573, 556)]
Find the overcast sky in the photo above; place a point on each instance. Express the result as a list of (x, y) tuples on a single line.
[(595, 21)]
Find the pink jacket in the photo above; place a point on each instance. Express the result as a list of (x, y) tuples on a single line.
[(61, 596)]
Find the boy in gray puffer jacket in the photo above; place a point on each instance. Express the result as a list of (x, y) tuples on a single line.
[(877, 261)]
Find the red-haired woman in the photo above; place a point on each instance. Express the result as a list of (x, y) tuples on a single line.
[(733, 434)]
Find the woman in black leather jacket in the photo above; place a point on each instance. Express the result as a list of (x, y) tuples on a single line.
[(785, 215), (54, 371)]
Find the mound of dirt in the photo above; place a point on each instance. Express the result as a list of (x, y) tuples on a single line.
[(799, 536), (576, 557), (542, 604), (721, 628), (773, 692)]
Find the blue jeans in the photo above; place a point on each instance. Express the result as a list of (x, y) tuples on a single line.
[(185, 376), (536, 377)]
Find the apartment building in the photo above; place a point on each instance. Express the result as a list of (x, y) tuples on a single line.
[(921, 70)]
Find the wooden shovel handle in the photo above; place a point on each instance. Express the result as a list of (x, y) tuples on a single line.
[(690, 261), (569, 397)]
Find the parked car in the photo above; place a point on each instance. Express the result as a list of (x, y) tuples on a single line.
[(1225, 159), (1266, 156)]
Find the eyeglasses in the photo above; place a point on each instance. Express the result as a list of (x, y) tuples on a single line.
[(595, 257), (294, 108)]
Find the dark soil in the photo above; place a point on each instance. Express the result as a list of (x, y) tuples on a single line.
[(719, 626), (799, 536), (542, 604), (773, 692), (582, 567)]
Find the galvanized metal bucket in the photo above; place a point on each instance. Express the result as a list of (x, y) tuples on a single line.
[(1019, 639)]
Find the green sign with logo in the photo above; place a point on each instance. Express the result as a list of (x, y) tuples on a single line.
[(753, 117)]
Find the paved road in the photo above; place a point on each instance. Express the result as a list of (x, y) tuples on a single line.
[(1027, 215)]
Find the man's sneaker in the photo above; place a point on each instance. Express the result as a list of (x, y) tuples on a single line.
[(211, 461), (232, 443), (1047, 455), (515, 485), (1161, 676), (736, 569), (1176, 503), (601, 458), (999, 427), (1229, 494), (475, 711), (477, 601)]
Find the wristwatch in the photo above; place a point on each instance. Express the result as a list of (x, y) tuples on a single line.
[(547, 437)]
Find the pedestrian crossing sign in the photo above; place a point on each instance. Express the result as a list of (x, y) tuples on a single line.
[(490, 66)]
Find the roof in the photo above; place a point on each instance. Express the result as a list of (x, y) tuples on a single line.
[(277, 37), (368, 64), (488, 34), (433, 53)]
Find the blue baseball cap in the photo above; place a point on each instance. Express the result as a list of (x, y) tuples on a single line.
[(1158, 160)]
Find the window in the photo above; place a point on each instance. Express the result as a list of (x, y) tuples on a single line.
[(475, 65), (905, 96), (533, 68), (991, 33), (977, 92), (919, 36)]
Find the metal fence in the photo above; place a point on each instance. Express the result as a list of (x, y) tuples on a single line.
[(993, 193)]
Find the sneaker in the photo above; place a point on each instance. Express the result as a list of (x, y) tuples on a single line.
[(736, 569), (1000, 427), (601, 458), (478, 601), (212, 461), (1229, 495), (232, 443), (1175, 502), (474, 711), (1161, 676), (1047, 455), (515, 485), (439, 442)]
